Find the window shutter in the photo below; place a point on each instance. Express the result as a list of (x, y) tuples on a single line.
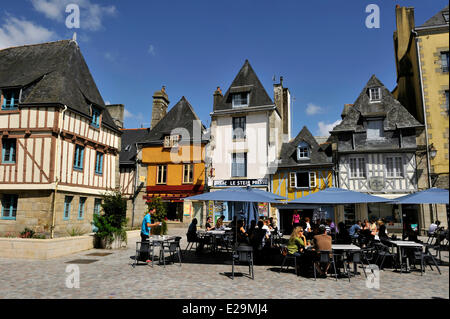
[(292, 183), (312, 179)]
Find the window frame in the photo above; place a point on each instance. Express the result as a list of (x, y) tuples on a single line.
[(12, 150), (312, 183), (97, 206), (395, 165), (76, 157), (380, 129), (67, 207), (99, 163), (13, 204), (303, 145), (445, 58), (235, 169), (358, 164), (371, 98), (15, 105), (164, 171), (190, 172), (81, 207), (234, 127), (96, 116), (234, 99)]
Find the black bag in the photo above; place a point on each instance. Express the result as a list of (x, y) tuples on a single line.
[(144, 251)]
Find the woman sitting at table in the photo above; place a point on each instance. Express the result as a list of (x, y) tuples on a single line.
[(219, 224), (373, 228), (192, 235), (297, 242), (242, 236)]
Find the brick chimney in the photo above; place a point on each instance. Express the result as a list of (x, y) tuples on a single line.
[(282, 99), (217, 97), (117, 113), (160, 104), (346, 110)]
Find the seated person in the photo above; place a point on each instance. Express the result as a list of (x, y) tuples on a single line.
[(433, 227), (297, 242), (354, 230), (192, 234), (208, 225), (322, 241), (242, 236), (219, 224), (259, 236), (382, 231), (343, 237), (373, 228), (251, 228)]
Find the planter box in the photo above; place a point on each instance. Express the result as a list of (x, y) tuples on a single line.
[(51, 248)]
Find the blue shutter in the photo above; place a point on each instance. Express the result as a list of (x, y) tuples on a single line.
[(4, 101)]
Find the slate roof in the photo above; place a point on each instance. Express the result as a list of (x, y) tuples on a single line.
[(129, 137), (437, 19), (245, 81), (181, 115), (52, 73), (395, 114), (317, 156)]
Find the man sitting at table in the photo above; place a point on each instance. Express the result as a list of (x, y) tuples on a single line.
[(322, 241), (193, 237), (354, 230)]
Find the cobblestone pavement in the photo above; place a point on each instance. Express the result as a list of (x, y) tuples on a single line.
[(113, 276)]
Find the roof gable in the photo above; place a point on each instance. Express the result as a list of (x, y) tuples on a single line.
[(437, 19), (245, 81)]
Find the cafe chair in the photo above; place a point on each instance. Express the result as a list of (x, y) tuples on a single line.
[(287, 256), (142, 252), (383, 252), (424, 258), (356, 258), (172, 248), (324, 257), (191, 241), (242, 256)]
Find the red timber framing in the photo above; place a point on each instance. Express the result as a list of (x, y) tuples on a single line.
[(175, 193)]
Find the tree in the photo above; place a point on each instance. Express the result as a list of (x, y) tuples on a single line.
[(159, 216)]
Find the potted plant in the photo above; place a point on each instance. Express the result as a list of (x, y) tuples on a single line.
[(111, 222), (159, 216)]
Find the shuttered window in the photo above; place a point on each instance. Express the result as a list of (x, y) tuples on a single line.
[(67, 204), (10, 99), (78, 157), (8, 150), (302, 180), (81, 207), (9, 206), (99, 163)]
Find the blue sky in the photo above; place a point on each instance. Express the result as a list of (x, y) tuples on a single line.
[(322, 49)]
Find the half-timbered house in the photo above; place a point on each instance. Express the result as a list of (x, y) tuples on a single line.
[(305, 167), (375, 152), (59, 144)]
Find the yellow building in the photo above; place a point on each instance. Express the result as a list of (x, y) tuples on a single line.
[(422, 60), (173, 152), (305, 168)]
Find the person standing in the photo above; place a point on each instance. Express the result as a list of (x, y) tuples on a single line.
[(147, 224), (296, 219)]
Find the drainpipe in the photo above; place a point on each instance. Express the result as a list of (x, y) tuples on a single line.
[(52, 229), (136, 173)]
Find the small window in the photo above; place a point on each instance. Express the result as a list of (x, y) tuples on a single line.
[(78, 157), (95, 117), (10, 99), (240, 99), (445, 15), (375, 130), (171, 141), (81, 207), (9, 206), (99, 163), (445, 61), (67, 204), (375, 94), (447, 100), (303, 151), (8, 150), (161, 177), (188, 173), (394, 167), (358, 167), (97, 206), (239, 165), (303, 180), (239, 127)]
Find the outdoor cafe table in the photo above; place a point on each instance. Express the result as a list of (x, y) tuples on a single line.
[(347, 248), (158, 240), (402, 244)]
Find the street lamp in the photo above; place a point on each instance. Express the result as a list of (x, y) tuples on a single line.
[(432, 151)]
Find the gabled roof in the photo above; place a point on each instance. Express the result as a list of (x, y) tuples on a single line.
[(437, 19), (289, 151), (395, 114), (245, 81), (53, 73), (129, 137), (180, 116)]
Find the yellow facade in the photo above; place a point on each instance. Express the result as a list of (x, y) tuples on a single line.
[(281, 185)]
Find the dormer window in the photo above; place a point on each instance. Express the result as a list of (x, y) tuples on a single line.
[(375, 130), (10, 99), (95, 117), (303, 151), (445, 15), (375, 94), (240, 99), (171, 141)]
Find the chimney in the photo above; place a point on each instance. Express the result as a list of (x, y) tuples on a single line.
[(160, 104), (217, 97), (346, 110), (282, 99), (117, 113)]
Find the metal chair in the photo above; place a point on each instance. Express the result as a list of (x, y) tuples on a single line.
[(191, 241), (173, 248), (424, 257), (286, 256), (356, 258), (243, 254), (383, 252), (324, 257), (142, 252)]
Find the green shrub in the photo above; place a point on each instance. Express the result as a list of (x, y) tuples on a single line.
[(159, 216), (76, 231), (27, 233)]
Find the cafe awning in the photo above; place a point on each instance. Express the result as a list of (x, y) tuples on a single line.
[(429, 196), (338, 196)]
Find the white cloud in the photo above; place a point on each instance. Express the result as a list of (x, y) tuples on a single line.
[(127, 114), (151, 49), (107, 103), (91, 14), (110, 56), (325, 128), (15, 32), (312, 109)]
